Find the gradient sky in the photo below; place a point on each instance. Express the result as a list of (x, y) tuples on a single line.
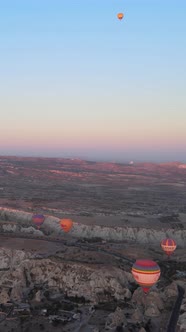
[(77, 82)]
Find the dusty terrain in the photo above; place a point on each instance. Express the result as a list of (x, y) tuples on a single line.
[(91, 188), (64, 287), (83, 281)]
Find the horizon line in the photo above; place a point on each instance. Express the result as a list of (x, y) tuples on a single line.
[(98, 160)]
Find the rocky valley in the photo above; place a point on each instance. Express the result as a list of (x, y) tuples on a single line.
[(81, 281)]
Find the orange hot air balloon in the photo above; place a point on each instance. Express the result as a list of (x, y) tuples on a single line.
[(120, 16), (38, 220), (66, 224), (168, 246), (146, 273)]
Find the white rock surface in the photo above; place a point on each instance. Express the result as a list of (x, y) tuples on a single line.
[(93, 283), (138, 234)]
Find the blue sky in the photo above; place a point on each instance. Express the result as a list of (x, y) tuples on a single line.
[(75, 81)]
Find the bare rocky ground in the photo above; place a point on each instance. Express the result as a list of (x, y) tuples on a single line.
[(85, 188), (61, 287), (84, 283)]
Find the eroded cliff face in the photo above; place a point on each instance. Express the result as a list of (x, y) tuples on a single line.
[(27, 278), (143, 235), (21, 272)]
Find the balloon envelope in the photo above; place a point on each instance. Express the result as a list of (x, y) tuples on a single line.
[(38, 219), (146, 273), (168, 246), (66, 224), (120, 16)]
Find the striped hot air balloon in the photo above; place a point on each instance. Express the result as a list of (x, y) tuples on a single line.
[(38, 220), (146, 273), (168, 246), (66, 224)]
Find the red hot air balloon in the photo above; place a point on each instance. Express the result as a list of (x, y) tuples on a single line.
[(38, 220), (66, 225), (168, 246), (146, 273)]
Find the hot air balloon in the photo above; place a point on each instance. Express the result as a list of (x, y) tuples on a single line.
[(38, 220), (66, 225), (120, 16), (168, 245), (146, 273)]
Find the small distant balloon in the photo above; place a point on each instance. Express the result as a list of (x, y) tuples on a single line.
[(168, 246), (146, 273), (120, 16), (38, 220), (66, 224)]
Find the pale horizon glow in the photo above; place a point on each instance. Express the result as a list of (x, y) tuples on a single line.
[(77, 82)]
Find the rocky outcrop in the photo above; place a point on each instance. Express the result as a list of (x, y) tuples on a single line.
[(23, 272), (151, 303), (115, 319), (23, 223), (24, 278)]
